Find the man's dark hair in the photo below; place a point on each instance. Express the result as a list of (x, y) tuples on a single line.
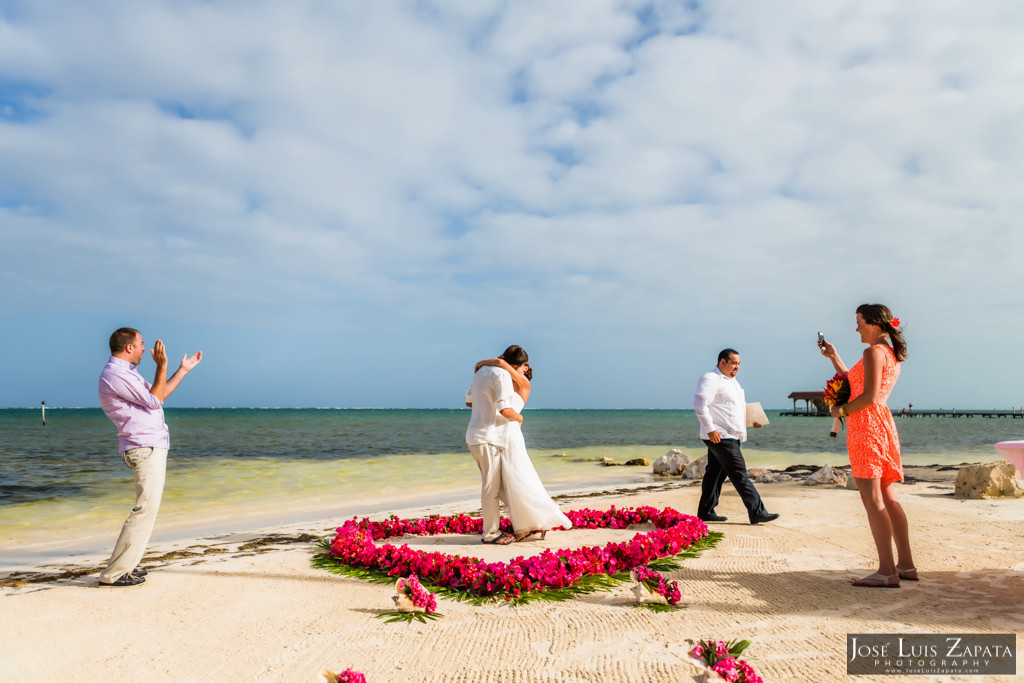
[(515, 355), (121, 338), (725, 354)]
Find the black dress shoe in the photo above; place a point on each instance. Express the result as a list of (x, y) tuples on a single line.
[(766, 517), (128, 579), (712, 517)]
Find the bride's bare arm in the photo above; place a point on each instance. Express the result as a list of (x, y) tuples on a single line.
[(496, 362), (519, 381)]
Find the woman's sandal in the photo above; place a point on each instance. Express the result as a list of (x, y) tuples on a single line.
[(908, 574), (877, 580), (530, 534)]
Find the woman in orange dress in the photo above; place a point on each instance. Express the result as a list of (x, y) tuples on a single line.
[(873, 443)]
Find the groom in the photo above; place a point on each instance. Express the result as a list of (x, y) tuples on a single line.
[(487, 435)]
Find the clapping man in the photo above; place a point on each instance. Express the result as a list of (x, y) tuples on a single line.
[(136, 408)]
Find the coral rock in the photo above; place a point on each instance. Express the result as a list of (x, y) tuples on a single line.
[(827, 475), (672, 463), (696, 469), (989, 480), (641, 462), (772, 478)]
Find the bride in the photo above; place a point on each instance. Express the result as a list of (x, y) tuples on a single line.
[(530, 507)]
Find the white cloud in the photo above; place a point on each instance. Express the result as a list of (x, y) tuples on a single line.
[(632, 174)]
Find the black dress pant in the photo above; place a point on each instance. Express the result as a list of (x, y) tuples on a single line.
[(725, 459)]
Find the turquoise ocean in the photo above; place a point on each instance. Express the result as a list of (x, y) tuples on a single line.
[(64, 488)]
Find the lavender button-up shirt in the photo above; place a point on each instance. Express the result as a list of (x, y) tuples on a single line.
[(137, 414)]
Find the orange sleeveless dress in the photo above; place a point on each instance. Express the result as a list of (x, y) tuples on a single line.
[(871, 437)]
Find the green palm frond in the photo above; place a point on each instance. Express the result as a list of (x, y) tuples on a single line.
[(409, 617)]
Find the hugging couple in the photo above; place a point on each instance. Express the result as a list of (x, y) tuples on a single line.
[(500, 389)]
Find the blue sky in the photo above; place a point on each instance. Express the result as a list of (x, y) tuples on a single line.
[(347, 203)]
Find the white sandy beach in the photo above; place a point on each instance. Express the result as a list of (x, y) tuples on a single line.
[(216, 609)]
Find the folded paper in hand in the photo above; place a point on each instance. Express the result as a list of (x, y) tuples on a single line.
[(756, 414)]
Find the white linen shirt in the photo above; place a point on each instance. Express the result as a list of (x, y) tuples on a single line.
[(721, 406), (490, 394)]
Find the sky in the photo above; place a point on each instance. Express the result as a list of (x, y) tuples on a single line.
[(346, 204)]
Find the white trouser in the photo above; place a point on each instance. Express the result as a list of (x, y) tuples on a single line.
[(488, 459), (150, 468)]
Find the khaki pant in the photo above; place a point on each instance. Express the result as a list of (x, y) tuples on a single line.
[(150, 468), (492, 493)]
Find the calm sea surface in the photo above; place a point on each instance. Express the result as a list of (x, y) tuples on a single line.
[(66, 479)]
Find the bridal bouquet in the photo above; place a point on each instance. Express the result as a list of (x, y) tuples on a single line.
[(837, 393), (722, 662)]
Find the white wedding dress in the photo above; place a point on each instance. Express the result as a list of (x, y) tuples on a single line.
[(530, 506)]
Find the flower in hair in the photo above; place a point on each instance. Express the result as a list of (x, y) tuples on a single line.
[(895, 322)]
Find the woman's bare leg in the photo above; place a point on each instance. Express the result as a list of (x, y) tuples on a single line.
[(878, 520), (900, 527)]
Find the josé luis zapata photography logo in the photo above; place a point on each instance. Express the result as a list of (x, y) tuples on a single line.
[(931, 654)]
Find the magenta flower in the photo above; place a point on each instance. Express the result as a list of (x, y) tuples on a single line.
[(728, 669), (346, 676), (355, 545), (419, 595), (723, 659), (656, 583)]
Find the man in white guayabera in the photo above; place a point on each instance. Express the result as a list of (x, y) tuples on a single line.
[(490, 396), (136, 408), (721, 409)]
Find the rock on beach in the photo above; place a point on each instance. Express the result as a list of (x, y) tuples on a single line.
[(761, 475), (672, 463), (827, 475), (696, 469), (989, 480)]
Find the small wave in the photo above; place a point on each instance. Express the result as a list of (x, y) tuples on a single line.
[(12, 494)]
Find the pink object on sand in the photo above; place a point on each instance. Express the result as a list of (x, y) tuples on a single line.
[(1014, 452)]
